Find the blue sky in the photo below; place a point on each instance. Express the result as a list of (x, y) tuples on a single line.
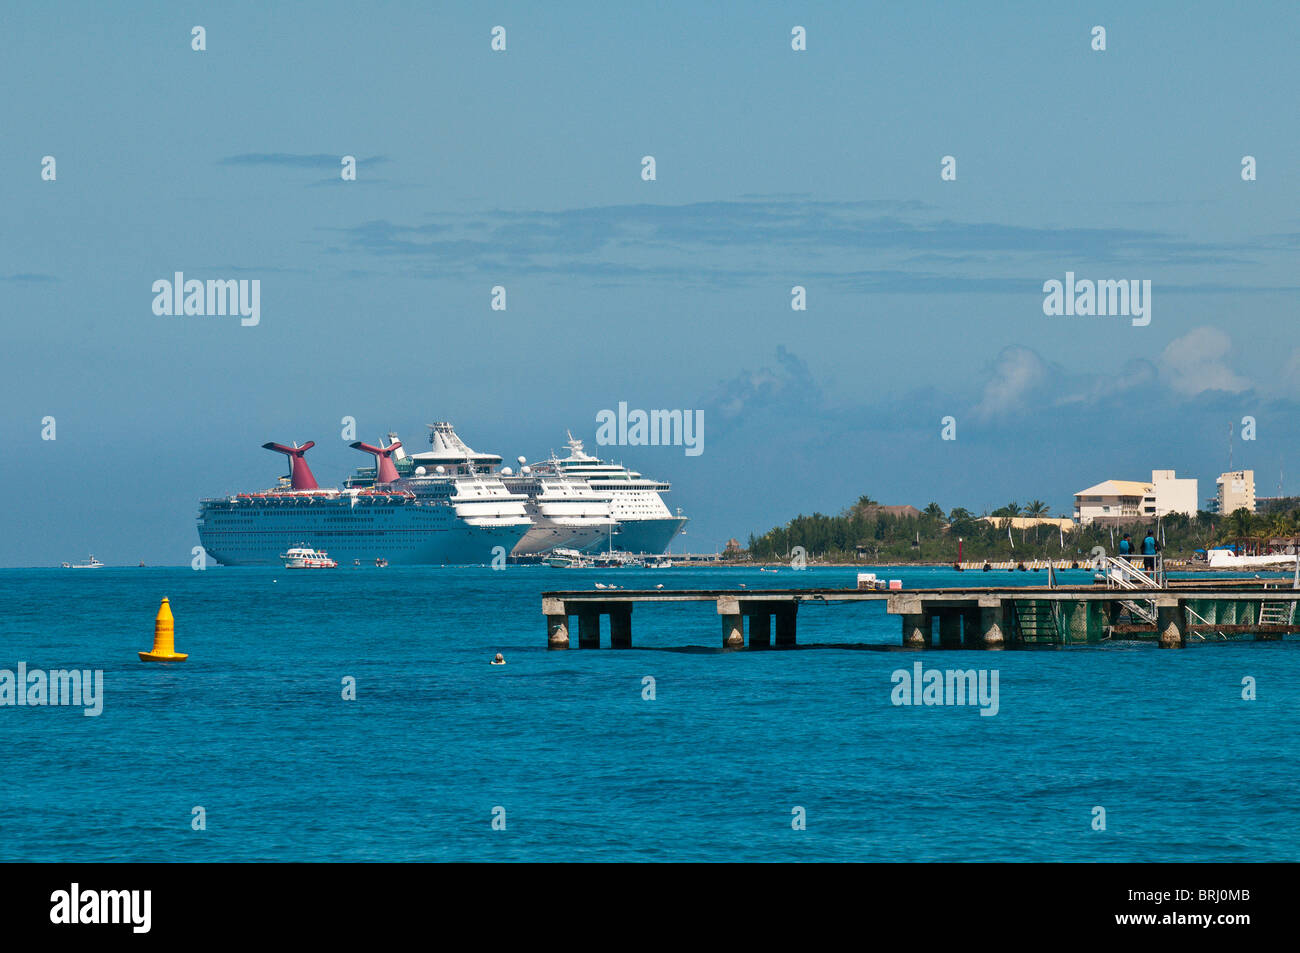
[(522, 169)]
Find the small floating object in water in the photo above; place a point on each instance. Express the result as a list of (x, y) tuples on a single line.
[(499, 660), (659, 586), (164, 638)]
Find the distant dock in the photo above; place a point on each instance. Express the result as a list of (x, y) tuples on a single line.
[(988, 617)]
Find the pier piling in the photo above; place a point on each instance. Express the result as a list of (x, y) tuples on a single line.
[(785, 624), (557, 624), (760, 630), (589, 628), (950, 629), (620, 625), (1169, 623), (916, 630)]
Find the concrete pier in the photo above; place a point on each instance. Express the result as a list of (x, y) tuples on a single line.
[(978, 617)]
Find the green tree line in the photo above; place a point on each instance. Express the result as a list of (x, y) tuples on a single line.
[(864, 532)]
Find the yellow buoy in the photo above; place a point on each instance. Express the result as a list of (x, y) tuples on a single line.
[(164, 638)]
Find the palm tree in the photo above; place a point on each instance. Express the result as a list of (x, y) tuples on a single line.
[(935, 512)]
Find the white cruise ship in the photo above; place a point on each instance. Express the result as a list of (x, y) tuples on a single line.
[(567, 513), (447, 507), (645, 524)]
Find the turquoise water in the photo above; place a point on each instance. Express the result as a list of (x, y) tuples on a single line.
[(253, 729)]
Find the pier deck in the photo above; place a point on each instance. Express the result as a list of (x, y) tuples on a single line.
[(977, 617)]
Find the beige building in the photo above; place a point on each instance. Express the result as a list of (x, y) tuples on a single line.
[(1123, 501), (1029, 522), (1236, 491)]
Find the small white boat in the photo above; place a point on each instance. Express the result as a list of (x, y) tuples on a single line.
[(1226, 559), (303, 557), (91, 563)]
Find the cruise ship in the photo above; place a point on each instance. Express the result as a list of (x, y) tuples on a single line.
[(448, 506), (567, 513), (644, 523)]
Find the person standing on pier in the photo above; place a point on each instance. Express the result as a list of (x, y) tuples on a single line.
[(1149, 549), (1125, 548)]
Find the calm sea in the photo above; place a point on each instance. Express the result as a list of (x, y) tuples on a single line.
[(562, 745)]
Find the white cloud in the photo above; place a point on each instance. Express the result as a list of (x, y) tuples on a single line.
[(1195, 363), (1017, 373)]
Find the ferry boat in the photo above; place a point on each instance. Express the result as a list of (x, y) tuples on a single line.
[(303, 557), (449, 507), (91, 563)]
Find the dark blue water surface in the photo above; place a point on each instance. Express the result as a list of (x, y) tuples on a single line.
[(253, 728)]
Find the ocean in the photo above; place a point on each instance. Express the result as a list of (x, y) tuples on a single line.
[(559, 756)]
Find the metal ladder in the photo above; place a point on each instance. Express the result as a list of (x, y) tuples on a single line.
[(1121, 574)]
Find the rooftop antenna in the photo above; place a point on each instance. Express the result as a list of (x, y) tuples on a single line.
[(1229, 446)]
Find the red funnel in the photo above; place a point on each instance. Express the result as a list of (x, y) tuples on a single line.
[(384, 469), (299, 473)]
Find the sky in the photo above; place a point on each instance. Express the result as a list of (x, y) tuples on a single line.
[(522, 168)]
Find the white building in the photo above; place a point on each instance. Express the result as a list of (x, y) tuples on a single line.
[(1236, 491), (1131, 500)]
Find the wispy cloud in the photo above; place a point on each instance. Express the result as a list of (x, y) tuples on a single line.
[(881, 246), (296, 160)]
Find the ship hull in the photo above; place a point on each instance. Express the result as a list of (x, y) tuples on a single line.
[(402, 535), (649, 537), (550, 535)]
